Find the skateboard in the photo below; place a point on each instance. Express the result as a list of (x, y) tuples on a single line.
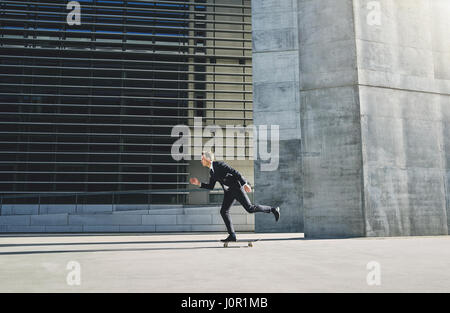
[(248, 241)]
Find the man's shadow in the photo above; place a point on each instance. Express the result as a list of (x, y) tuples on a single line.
[(169, 242)]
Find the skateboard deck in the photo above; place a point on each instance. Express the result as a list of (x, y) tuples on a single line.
[(248, 241)]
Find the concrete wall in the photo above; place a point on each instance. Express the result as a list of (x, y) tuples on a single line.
[(404, 83), (374, 99), (188, 219), (276, 102), (332, 160)]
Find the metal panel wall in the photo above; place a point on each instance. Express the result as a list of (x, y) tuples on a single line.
[(90, 107)]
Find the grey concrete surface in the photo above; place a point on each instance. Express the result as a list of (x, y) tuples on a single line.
[(154, 220), (197, 263), (276, 102), (374, 99), (404, 87)]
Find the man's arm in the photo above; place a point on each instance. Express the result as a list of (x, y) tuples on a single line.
[(210, 185)]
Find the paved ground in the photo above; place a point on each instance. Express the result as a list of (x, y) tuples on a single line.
[(197, 263)]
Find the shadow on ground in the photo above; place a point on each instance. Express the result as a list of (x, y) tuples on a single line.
[(168, 242)]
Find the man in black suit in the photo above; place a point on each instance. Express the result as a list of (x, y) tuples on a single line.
[(235, 188)]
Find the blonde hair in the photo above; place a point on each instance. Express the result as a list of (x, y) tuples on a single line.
[(208, 154)]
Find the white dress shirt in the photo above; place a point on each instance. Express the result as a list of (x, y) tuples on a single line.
[(211, 167)]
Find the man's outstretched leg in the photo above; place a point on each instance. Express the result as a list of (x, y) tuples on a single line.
[(243, 199), (228, 200)]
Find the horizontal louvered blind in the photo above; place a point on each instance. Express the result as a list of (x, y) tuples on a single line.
[(91, 107)]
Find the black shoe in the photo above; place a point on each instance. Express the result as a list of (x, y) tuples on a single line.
[(276, 212), (230, 238)]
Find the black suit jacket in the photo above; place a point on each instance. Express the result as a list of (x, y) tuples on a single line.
[(225, 175)]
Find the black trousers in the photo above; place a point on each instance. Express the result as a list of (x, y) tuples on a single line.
[(239, 194)]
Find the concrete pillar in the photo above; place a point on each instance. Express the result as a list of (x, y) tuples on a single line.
[(331, 134), (404, 91), (276, 102), (374, 99)]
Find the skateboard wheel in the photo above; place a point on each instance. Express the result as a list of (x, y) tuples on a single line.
[(250, 244), (225, 245)]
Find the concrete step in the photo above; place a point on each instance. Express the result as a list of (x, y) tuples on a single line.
[(7, 210), (135, 207), (191, 219), (25, 209)]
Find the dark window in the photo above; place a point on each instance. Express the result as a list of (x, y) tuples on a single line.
[(90, 108)]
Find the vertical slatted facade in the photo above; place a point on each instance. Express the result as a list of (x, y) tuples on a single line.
[(90, 107)]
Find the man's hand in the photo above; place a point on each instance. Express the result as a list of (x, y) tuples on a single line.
[(195, 181), (247, 188)]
